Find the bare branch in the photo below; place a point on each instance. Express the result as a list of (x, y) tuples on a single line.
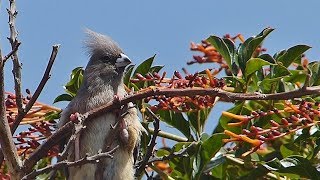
[(12, 12), (14, 50), (152, 144), (35, 96), (87, 159), (45, 77), (6, 141)]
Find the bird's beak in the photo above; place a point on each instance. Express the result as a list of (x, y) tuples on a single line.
[(122, 61)]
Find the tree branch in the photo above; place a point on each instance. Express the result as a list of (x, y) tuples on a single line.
[(12, 12), (43, 149), (87, 159), (14, 50), (57, 136), (6, 141), (152, 144), (46, 76), (191, 92)]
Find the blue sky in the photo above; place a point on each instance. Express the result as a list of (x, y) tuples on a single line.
[(144, 28)]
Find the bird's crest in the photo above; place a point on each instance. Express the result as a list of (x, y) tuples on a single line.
[(100, 45)]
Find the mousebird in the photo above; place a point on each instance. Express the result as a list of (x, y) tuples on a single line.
[(102, 82)]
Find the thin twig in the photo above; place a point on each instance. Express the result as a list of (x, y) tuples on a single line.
[(169, 135), (45, 77), (2, 108), (152, 144), (78, 127), (181, 153), (14, 50), (87, 159)]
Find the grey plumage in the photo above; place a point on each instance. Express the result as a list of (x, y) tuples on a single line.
[(102, 80)]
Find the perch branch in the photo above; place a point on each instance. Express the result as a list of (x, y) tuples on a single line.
[(87, 159), (229, 96), (53, 140)]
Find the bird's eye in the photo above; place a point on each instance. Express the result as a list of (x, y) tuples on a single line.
[(104, 59), (119, 56)]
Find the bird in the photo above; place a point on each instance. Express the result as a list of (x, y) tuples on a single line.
[(102, 83)]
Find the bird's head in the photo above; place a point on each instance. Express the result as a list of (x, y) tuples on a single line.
[(106, 57)]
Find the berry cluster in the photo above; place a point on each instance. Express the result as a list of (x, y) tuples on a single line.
[(291, 118), (181, 103), (39, 127)]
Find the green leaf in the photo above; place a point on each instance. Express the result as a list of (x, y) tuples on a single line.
[(75, 81), (246, 50), (145, 66), (52, 115), (295, 165), (254, 64), (256, 173), (314, 68), (63, 97), (268, 58), (128, 74), (181, 165), (208, 149), (222, 48), (285, 150), (156, 68), (198, 119), (143, 69), (214, 162), (177, 121), (280, 71), (296, 76), (288, 56)]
